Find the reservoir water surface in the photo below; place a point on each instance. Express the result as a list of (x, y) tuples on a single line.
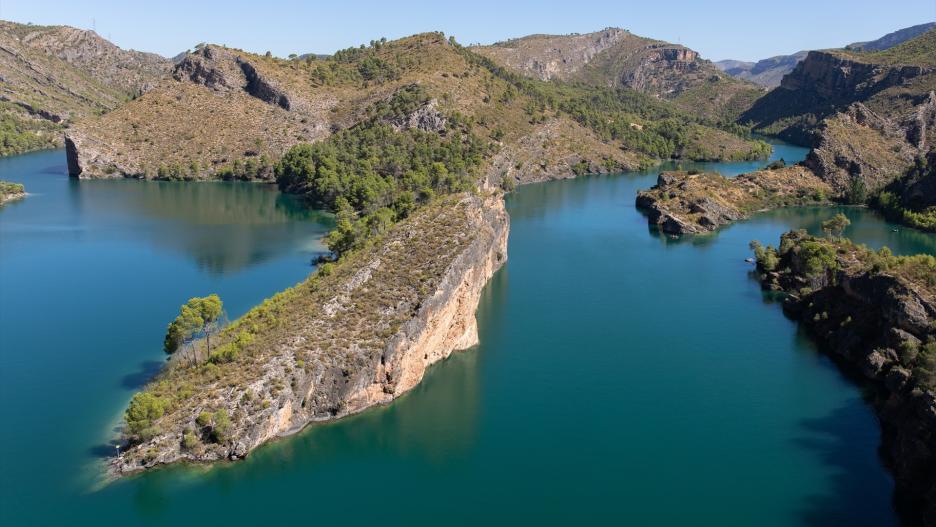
[(622, 377)]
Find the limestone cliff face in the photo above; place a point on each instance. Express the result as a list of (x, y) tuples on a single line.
[(837, 78), (435, 324), (548, 57)]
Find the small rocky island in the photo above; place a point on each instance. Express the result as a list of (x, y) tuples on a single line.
[(696, 203), (875, 314), (359, 332), (11, 192)]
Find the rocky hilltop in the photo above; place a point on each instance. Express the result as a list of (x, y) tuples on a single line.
[(54, 75), (358, 333), (617, 58), (874, 313)]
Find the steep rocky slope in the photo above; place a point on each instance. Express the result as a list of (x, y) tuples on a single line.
[(615, 57), (358, 333), (890, 83), (53, 75), (876, 314)]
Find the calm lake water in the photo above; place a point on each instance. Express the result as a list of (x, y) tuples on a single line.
[(622, 377)]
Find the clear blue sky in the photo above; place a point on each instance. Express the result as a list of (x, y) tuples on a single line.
[(719, 29)]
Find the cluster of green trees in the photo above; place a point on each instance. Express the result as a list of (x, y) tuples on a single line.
[(357, 65), (7, 188), (200, 316), (817, 255), (145, 408), (19, 135), (919, 215), (217, 424), (921, 359), (372, 175), (248, 169)]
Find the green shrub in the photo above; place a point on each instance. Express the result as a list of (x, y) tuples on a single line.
[(221, 426), (144, 409)]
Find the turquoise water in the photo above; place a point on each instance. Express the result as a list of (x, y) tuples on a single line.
[(622, 377)]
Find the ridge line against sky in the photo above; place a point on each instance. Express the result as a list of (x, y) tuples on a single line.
[(718, 29)]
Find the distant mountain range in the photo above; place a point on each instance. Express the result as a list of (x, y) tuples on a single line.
[(768, 72)]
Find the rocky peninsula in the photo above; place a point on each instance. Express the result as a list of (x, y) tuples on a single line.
[(359, 332), (696, 203), (875, 314)]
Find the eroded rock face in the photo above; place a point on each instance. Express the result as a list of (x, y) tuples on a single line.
[(427, 118), (860, 144), (835, 78), (548, 57), (263, 88), (212, 67), (826, 83), (439, 323), (89, 158), (221, 69), (662, 70)]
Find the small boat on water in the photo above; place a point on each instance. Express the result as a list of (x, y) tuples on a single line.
[(749, 260)]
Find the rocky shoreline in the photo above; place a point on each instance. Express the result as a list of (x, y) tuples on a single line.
[(876, 315), (333, 371)]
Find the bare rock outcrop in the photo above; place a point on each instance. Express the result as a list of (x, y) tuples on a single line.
[(222, 69)]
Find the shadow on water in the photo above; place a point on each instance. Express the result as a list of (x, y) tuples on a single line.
[(857, 478), (108, 449), (148, 370), (105, 450)]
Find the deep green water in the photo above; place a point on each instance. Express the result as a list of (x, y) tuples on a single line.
[(622, 377)]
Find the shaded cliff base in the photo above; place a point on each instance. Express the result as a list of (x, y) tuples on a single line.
[(358, 333), (875, 313)]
